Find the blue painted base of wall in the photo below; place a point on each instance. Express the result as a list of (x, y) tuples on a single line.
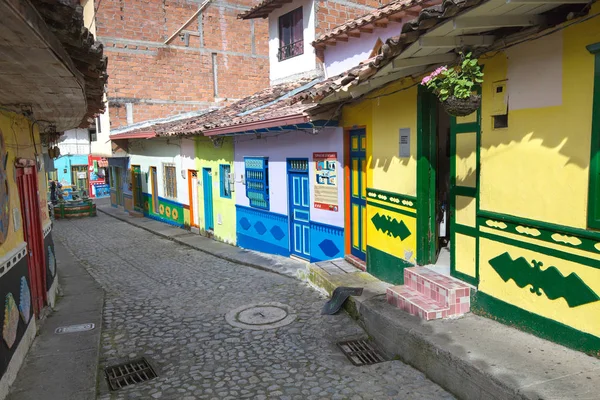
[(326, 242), (166, 221), (262, 231)]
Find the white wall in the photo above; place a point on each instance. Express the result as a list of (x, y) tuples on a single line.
[(156, 153), (291, 145), (346, 55), (102, 146), (305, 63), (74, 141)]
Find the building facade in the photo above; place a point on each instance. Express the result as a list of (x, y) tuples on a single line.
[(57, 75), (481, 197)]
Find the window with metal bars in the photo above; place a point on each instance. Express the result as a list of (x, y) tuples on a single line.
[(257, 181), (291, 39), (170, 181), (224, 171)]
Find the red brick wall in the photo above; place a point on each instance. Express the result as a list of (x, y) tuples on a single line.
[(331, 14), (161, 81)]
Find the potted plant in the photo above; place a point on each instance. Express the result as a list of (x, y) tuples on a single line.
[(454, 86)]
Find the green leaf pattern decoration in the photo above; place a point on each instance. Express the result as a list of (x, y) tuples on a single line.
[(550, 281), (390, 226)]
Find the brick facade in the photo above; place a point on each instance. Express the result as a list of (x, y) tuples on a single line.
[(331, 13), (159, 80)]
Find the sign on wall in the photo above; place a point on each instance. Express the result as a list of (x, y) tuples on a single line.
[(326, 182)]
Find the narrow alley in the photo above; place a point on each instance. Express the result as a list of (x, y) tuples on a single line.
[(168, 303)]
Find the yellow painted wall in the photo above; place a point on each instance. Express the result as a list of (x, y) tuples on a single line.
[(383, 113), (538, 167), (207, 156), (15, 129)]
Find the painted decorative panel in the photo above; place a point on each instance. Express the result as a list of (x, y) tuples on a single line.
[(50, 260), (262, 231), (391, 226), (545, 282), (16, 311), (326, 242), (169, 211)]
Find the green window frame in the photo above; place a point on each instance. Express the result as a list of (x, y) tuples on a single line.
[(594, 186), (224, 171)]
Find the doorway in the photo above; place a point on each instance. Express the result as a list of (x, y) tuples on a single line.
[(193, 190), (154, 179), (136, 187), (79, 177), (441, 260), (299, 207), (358, 192), (209, 223), (118, 179), (27, 184)]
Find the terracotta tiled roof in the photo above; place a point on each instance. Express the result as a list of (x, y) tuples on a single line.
[(263, 9), (395, 11), (411, 30), (271, 103)]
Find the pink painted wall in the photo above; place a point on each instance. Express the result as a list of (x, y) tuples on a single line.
[(294, 144), (345, 55)]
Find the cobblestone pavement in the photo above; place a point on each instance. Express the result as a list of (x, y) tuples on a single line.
[(168, 303)]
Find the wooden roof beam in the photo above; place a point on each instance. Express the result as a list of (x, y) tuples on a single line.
[(368, 28), (354, 33), (382, 23)]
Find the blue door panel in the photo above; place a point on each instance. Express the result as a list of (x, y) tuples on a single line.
[(299, 204), (208, 199)]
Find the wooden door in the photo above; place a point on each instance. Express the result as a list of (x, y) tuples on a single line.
[(464, 181), (358, 192), (193, 191), (299, 207), (27, 184), (209, 223), (154, 178), (136, 182)]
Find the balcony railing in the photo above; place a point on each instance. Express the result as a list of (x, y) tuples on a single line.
[(291, 50)]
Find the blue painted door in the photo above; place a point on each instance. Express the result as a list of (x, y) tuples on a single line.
[(358, 192), (208, 199), (299, 199)]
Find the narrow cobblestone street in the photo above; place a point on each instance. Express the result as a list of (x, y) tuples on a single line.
[(168, 303)]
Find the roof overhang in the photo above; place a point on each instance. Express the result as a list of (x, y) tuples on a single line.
[(287, 123), (36, 72), (479, 27), (133, 135), (263, 9)]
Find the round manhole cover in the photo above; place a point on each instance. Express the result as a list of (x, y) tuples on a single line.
[(261, 316)]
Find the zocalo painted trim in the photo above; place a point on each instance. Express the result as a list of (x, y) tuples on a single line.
[(12, 258), (47, 229)]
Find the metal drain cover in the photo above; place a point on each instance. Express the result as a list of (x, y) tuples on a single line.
[(74, 328), (129, 373), (360, 352), (261, 316)]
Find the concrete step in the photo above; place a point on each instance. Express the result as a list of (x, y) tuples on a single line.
[(357, 262), (136, 214), (445, 290), (415, 303)]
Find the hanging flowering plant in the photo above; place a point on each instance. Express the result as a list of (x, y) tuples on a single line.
[(454, 86)]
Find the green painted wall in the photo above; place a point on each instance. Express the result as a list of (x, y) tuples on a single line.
[(208, 156)]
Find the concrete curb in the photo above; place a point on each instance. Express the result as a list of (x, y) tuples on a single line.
[(204, 250), (403, 336), (471, 356)]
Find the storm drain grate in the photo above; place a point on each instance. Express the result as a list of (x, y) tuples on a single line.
[(129, 373), (360, 352)]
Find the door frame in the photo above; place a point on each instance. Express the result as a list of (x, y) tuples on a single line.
[(193, 200), (208, 199), (289, 174), (348, 185), (154, 188), (136, 187), (426, 175), (32, 223), (427, 108)]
